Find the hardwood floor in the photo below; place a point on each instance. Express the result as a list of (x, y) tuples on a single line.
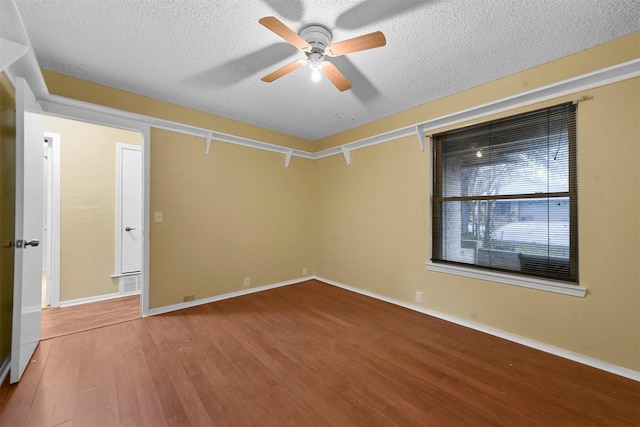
[(67, 320), (302, 355)]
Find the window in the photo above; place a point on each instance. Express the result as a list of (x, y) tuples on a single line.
[(505, 195)]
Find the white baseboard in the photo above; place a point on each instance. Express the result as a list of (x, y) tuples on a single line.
[(105, 297), (4, 369), (576, 357), (182, 305)]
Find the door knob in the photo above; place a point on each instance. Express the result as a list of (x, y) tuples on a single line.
[(7, 243), (129, 228)]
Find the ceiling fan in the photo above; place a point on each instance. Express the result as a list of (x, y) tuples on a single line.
[(314, 40)]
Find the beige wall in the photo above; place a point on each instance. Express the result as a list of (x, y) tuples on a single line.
[(372, 232), (238, 212), (87, 205), (235, 213)]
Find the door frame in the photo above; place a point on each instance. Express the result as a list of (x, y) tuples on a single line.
[(52, 263), (52, 217), (77, 112)]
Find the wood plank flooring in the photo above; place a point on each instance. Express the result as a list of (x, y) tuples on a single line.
[(67, 320), (304, 355)]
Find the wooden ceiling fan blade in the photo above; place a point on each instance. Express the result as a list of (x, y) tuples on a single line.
[(275, 25), (356, 44), (284, 70), (335, 76)]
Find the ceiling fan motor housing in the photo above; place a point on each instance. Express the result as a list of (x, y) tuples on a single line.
[(317, 36)]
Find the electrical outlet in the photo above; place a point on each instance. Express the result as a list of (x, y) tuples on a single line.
[(419, 297), (247, 282), (188, 298), (304, 271)]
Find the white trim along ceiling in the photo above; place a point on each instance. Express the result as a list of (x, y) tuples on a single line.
[(62, 106)]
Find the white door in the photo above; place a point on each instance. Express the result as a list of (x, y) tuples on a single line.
[(130, 170), (27, 276)]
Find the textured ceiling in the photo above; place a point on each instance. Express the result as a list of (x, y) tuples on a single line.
[(210, 55)]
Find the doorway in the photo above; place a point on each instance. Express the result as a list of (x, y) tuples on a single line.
[(81, 225)]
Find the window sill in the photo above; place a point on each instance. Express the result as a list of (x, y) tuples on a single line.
[(509, 279)]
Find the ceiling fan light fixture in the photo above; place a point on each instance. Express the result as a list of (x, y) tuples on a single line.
[(315, 61), (316, 75)]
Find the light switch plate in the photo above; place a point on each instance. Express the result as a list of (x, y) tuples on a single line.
[(157, 216)]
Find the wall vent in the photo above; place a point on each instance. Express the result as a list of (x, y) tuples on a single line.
[(129, 284)]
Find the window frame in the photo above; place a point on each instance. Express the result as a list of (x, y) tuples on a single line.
[(570, 286)]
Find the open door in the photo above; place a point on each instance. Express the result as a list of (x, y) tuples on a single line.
[(27, 278)]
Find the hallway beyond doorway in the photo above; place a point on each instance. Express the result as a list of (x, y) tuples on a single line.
[(68, 320)]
